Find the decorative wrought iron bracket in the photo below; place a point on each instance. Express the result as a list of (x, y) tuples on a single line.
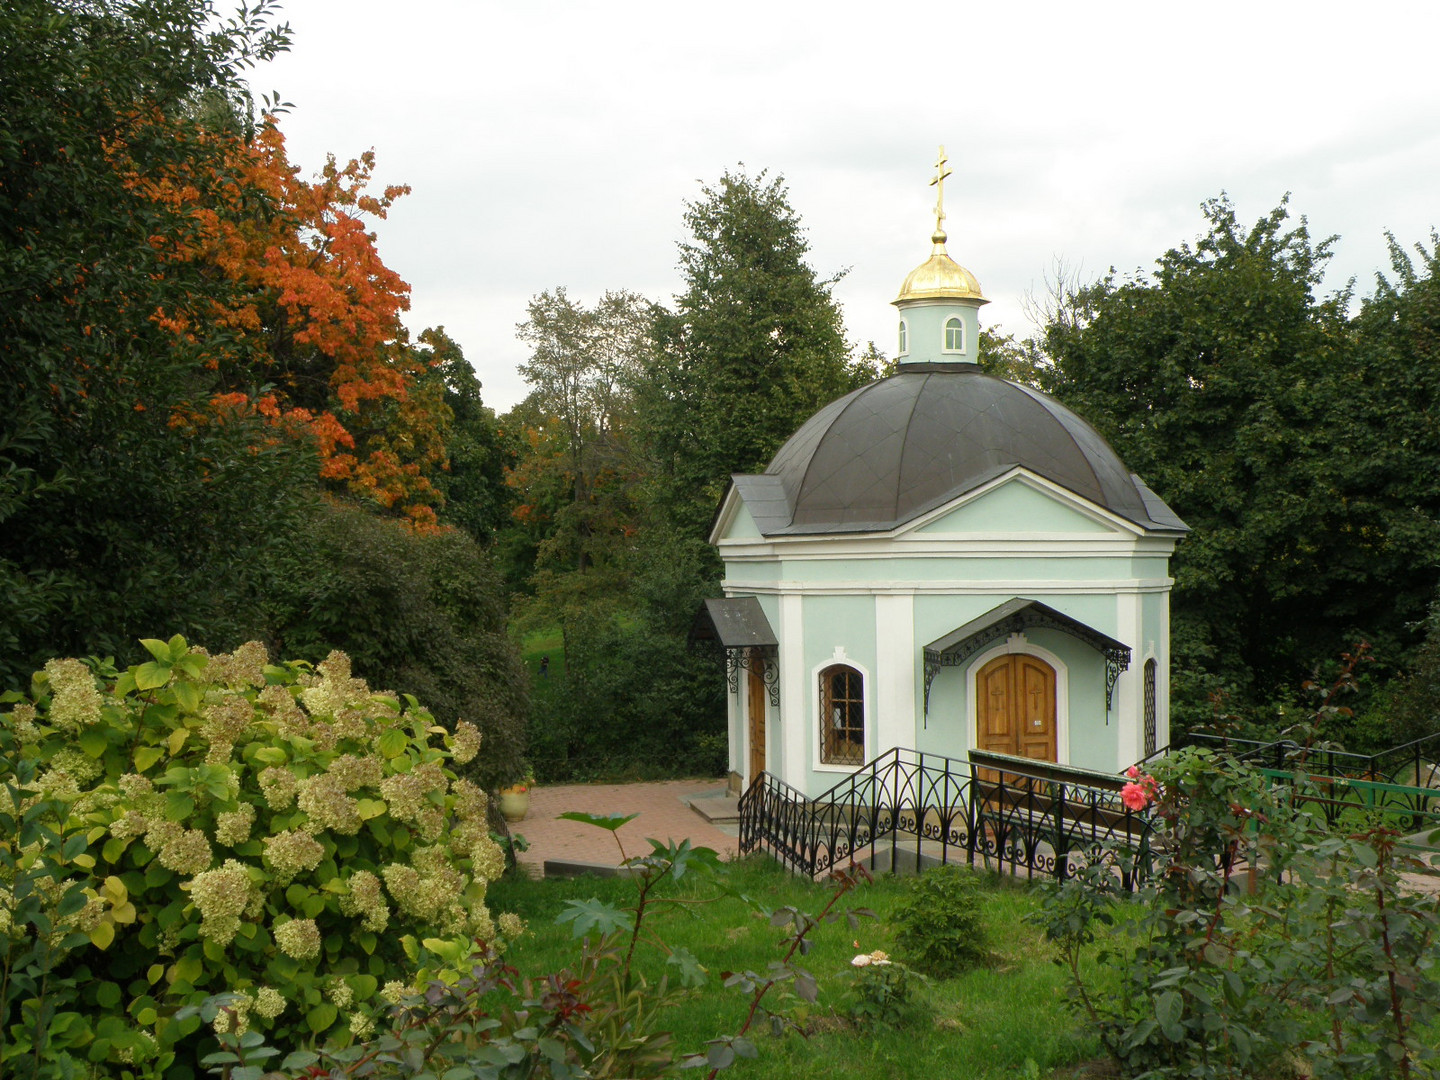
[(934, 661), (1116, 661), (746, 658)]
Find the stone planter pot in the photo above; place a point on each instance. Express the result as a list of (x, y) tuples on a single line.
[(515, 802)]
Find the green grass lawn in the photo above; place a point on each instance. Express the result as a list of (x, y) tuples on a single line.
[(989, 1022), (542, 643)]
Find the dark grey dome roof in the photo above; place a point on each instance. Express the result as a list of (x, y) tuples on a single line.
[(900, 447)]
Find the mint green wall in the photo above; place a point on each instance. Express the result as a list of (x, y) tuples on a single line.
[(945, 730), (742, 527), (832, 621), (1080, 568), (936, 616), (1150, 567), (848, 619), (759, 573), (927, 322), (1153, 624), (1015, 507), (1091, 743), (861, 572)]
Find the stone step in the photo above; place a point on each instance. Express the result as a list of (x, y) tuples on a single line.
[(721, 808)]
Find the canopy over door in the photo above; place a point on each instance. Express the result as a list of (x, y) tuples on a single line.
[(1015, 617), (739, 626)]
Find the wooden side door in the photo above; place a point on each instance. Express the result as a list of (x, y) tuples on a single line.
[(1015, 699), (755, 711)]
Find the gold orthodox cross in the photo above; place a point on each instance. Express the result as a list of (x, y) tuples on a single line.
[(941, 172)]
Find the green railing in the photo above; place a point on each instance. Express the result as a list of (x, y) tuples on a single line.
[(1345, 801)]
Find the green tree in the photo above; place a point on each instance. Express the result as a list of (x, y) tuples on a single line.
[(1005, 358), (418, 613), (114, 521), (583, 368), (480, 449), (1259, 413), (754, 347)]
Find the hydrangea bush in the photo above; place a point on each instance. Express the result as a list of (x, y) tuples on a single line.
[(273, 830)]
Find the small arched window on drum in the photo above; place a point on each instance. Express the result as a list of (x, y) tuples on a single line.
[(954, 336)]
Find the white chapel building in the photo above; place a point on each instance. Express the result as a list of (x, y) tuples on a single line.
[(942, 560)]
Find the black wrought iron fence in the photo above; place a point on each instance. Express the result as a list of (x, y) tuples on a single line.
[(906, 809)]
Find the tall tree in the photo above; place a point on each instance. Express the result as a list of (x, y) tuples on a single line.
[(319, 345), (754, 346), (113, 522), (1249, 404), (582, 369), (480, 450), (191, 334)]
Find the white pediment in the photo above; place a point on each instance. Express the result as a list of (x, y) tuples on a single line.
[(1019, 504), (734, 522)]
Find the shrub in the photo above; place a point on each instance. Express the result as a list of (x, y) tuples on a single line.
[(276, 831), (1416, 704), (884, 989), (631, 701), (940, 924), (1259, 941), (421, 613), (39, 889)]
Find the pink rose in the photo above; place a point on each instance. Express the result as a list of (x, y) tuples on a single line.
[(1134, 797)]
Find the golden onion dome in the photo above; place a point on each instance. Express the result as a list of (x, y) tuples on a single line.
[(940, 278)]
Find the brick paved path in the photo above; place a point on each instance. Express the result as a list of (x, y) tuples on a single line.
[(662, 812)]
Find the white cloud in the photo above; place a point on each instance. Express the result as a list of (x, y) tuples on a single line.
[(555, 143)]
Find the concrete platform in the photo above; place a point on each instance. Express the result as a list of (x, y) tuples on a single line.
[(662, 809)]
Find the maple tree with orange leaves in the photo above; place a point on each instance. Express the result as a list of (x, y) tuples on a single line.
[(313, 340)]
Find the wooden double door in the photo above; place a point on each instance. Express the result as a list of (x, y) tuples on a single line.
[(1015, 699)]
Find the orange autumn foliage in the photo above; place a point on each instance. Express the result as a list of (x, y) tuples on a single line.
[(311, 339)]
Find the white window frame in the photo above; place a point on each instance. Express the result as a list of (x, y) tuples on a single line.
[(945, 334), (867, 695)]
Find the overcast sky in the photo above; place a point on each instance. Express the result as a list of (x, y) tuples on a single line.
[(556, 143)]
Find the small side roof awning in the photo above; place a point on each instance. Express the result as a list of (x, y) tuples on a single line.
[(1015, 617), (736, 623)]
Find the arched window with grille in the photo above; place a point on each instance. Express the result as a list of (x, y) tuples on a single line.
[(954, 335), (1149, 707), (904, 339), (842, 716)]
